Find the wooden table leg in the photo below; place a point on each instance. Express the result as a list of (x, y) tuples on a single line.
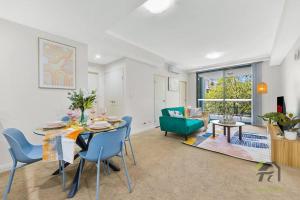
[(225, 130), (228, 134), (214, 130), (240, 132)]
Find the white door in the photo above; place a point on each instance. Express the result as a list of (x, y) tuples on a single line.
[(182, 93), (93, 84), (113, 81), (160, 89)]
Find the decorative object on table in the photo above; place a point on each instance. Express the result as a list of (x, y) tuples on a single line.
[(253, 146), (57, 65), (82, 100), (262, 88), (173, 84), (227, 119), (288, 123)]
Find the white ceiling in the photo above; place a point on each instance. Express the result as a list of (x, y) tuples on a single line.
[(184, 34)]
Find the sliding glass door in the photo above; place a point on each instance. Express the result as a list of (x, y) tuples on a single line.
[(226, 91)]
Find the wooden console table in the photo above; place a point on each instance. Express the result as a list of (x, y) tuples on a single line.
[(284, 152)]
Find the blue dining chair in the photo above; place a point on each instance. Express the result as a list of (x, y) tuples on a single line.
[(128, 120), (65, 119), (21, 151), (104, 146)]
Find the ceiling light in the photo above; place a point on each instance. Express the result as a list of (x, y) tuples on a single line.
[(157, 6), (98, 56), (214, 55)]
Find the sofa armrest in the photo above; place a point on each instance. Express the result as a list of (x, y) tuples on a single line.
[(172, 124), (205, 118)]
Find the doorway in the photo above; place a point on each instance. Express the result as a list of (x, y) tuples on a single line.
[(160, 95), (182, 93), (93, 84)]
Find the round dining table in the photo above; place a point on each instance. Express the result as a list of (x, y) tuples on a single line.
[(83, 142)]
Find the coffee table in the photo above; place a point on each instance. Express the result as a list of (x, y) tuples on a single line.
[(227, 126)]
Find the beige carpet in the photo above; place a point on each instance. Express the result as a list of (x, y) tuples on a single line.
[(166, 169)]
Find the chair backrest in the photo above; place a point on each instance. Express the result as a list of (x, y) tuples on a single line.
[(18, 143), (111, 143), (65, 118), (128, 120)]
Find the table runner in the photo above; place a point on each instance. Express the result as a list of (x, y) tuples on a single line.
[(68, 138)]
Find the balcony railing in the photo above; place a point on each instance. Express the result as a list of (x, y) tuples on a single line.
[(239, 108)]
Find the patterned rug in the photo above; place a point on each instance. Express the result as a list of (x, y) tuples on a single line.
[(253, 146)]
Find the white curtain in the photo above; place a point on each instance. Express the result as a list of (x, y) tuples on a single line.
[(256, 98)]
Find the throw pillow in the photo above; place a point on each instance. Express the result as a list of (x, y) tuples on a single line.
[(175, 113), (196, 112)]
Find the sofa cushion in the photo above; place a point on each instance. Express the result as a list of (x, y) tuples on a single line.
[(165, 112), (194, 124)]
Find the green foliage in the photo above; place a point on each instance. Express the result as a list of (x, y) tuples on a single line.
[(81, 100), (288, 121), (234, 89)]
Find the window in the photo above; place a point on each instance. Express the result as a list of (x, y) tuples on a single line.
[(226, 91)]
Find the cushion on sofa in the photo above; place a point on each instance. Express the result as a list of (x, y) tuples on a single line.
[(165, 112)]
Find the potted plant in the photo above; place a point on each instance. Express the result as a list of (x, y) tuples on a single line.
[(82, 100), (287, 123)]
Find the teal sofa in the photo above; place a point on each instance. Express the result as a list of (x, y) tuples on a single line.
[(181, 126)]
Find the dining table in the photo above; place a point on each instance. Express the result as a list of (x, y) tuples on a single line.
[(83, 142)]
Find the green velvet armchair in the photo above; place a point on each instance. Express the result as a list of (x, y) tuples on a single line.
[(181, 126)]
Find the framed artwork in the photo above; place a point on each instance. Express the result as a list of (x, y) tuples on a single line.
[(173, 84), (57, 65)]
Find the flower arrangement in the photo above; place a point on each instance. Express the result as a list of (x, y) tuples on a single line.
[(82, 100)]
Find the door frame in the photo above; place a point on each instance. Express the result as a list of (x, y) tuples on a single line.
[(97, 74), (185, 95), (154, 108)]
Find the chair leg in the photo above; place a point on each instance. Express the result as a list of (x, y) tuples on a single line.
[(126, 172), (166, 133), (132, 151), (98, 180), (125, 148), (80, 172), (62, 172), (10, 180), (107, 165)]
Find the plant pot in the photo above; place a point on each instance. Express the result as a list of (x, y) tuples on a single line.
[(290, 135)]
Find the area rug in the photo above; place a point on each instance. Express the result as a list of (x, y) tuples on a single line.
[(253, 146)]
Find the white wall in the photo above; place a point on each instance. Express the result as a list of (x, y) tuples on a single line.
[(23, 104), (99, 69), (138, 91), (291, 80), (272, 76), (192, 90)]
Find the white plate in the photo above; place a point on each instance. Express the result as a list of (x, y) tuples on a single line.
[(54, 126)]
